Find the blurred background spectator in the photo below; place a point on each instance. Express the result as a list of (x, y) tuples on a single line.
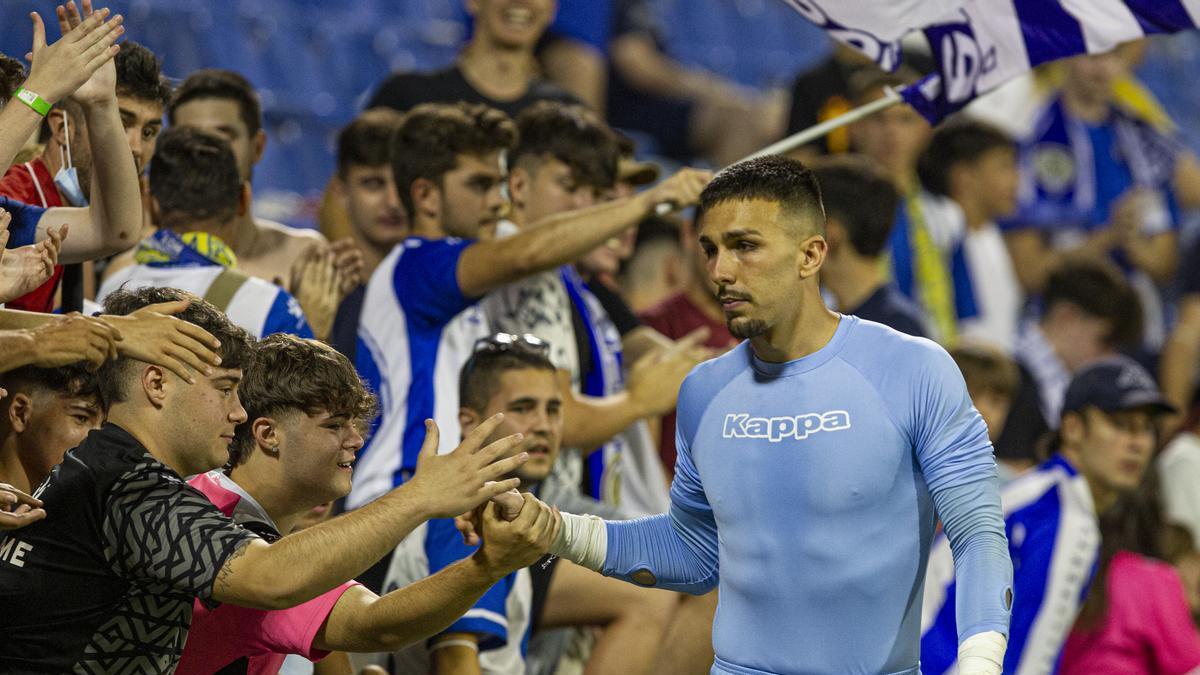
[(316, 65), (1052, 225)]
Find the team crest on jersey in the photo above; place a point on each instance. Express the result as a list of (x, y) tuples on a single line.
[(1054, 167), (775, 429)]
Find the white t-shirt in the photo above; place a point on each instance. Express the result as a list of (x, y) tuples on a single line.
[(998, 293), (1179, 471)]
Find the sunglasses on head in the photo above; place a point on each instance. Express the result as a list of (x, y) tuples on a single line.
[(504, 342), (501, 343)]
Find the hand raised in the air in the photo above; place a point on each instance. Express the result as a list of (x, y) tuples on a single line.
[(102, 85), (680, 190), (58, 70)]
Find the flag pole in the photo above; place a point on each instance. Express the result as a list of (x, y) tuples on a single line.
[(890, 98)]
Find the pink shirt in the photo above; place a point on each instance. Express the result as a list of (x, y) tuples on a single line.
[(223, 635), (1148, 628)]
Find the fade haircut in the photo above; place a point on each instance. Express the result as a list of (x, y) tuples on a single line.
[(194, 176), (74, 380), (433, 135), (573, 135), (987, 369), (139, 74), (772, 178), (291, 373), (963, 141), (1099, 289), (862, 200), (480, 376), (236, 349), (367, 141), (220, 84)]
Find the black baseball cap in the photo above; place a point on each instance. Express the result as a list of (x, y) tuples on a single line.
[(1115, 383)]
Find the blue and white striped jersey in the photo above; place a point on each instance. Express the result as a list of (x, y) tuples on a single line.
[(500, 619), (1054, 541), (259, 307), (416, 332)]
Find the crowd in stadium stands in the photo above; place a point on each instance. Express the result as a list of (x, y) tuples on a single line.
[(230, 445)]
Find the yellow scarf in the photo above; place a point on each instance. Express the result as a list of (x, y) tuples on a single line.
[(164, 248), (932, 275)]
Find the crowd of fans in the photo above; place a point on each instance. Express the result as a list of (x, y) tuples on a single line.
[(490, 244)]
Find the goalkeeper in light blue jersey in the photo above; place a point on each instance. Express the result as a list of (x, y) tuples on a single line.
[(814, 462)]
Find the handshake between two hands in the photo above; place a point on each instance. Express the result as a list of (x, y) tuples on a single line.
[(474, 480), (506, 506), (513, 530)]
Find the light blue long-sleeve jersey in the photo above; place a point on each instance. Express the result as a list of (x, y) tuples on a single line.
[(808, 489)]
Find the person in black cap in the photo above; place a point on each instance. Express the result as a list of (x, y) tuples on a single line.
[(1104, 444), (1109, 426)]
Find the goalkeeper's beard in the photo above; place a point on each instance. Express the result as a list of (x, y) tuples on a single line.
[(744, 328)]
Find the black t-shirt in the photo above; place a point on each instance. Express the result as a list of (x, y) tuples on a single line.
[(618, 312), (403, 91), (635, 17), (106, 582), (891, 308), (1025, 425), (344, 336)]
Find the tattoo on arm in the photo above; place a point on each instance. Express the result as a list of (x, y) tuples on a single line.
[(221, 585)]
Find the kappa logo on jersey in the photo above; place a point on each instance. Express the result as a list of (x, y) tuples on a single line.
[(775, 429)]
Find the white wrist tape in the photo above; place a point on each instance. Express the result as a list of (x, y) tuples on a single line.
[(583, 540), (982, 654)]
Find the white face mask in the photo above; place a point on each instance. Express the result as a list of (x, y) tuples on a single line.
[(67, 178)]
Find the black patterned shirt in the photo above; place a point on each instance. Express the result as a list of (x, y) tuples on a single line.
[(106, 582)]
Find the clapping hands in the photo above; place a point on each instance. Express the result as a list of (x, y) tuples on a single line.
[(321, 278), (25, 268), (58, 70)]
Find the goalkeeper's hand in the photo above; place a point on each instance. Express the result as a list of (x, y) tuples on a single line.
[(982, 654)]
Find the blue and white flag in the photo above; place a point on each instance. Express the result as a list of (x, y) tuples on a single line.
[(980, 44)]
